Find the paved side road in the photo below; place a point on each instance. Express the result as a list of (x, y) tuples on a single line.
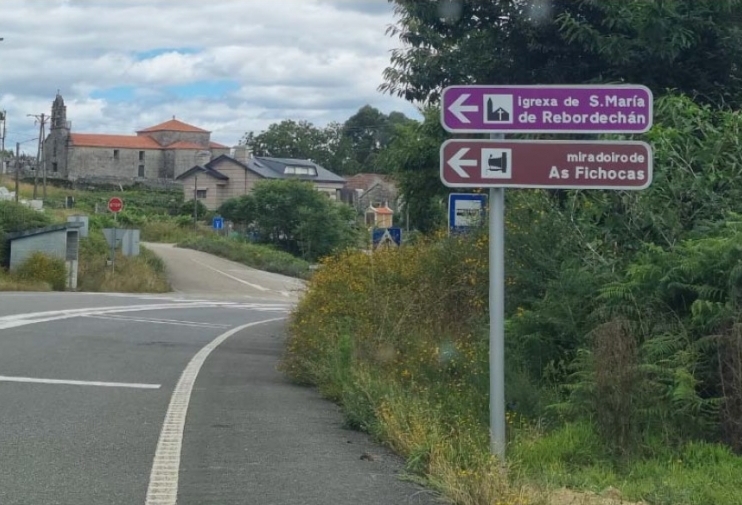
[(195, 272), (252, 437)]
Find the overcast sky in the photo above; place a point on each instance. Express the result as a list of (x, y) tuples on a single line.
[(228, 66)]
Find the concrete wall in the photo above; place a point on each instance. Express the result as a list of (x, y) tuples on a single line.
[(167, 169), (218, 151), (332, 189), (213, 187), (165, 138), (184, 160), (241, 181), (52, 243)]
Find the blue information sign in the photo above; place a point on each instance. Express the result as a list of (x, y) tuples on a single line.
[(466, 211)]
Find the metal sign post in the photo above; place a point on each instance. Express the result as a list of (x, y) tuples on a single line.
[(497, 317)]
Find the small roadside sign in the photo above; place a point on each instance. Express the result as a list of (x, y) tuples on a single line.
[(386, 237), (547, 109), (466, 211), (556, 164), (218, 223), (115, 204)]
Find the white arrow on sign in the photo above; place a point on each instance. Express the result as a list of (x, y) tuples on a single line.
[(458, 108), (458, 162)]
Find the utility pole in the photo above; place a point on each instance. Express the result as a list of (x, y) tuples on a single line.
[(195, 201), (17, 169), (41, 119), (3, 131)]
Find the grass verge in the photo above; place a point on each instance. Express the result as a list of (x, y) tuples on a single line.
[(9, 282), (573, 456), (253, 255), (140, 274), (399, 339)]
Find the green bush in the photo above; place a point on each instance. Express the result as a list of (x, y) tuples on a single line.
[(294, 217), (40, 267), (17, 217)]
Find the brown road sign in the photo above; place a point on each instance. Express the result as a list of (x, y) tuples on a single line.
[(556, 164)]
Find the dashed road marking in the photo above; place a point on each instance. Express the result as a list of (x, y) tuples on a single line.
[(193, 324), (132, 385), (163, 480)]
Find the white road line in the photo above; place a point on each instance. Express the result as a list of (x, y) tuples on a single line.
[(158, 321), (133, 385), (225, 274), (16, 320), (163, 480)]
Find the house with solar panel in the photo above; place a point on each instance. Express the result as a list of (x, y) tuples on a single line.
[(230, 176), (158, 153)]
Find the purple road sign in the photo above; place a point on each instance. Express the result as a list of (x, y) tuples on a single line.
[(547, 109)]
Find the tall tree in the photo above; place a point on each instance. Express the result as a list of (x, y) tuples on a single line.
[(412, 156), (293, 215), (693, 46), (288, 139), (345, 148)]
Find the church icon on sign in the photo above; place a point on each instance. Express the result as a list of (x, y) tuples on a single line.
[(498, 109)]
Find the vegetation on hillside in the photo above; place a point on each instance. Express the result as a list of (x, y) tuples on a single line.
[(262, 257)]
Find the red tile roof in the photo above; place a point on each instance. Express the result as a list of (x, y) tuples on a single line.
[(173, 125), (383, 210), (217, 145), (113, 141)]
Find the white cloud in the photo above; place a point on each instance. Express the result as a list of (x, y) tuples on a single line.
[(300, 59)]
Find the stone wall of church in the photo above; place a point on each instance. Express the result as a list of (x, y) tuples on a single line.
[(85, 162)]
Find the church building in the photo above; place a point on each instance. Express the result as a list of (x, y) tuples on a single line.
[(157, 154)]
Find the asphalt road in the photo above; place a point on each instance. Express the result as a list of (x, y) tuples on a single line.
[(110, 399), (194, 272)]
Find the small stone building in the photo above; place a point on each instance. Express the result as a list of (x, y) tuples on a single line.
[(155, 154), (60, 241)]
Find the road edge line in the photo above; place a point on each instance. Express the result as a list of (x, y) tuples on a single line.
[(162, 488)]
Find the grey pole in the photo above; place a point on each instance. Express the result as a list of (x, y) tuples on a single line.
[(195, 201), (497, 317), (17, 169)]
